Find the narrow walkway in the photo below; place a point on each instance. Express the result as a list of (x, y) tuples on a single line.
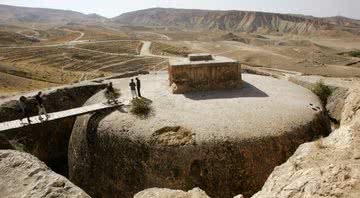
[(15, 124)]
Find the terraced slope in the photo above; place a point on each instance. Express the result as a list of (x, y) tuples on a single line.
[(119, 47), (10, 38), (66, 64)]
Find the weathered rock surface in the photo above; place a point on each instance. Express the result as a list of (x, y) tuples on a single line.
[(225, 142), (328, 167), (167, 193), (336, 102), (48, 141), (23, 175)]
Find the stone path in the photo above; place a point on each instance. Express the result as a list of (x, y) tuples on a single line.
[(58, 115)]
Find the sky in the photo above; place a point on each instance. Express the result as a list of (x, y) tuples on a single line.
[(112, 8)]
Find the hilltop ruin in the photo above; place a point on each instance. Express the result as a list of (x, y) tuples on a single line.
[(199, 72)]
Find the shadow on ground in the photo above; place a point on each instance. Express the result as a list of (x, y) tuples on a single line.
[(247, 91)]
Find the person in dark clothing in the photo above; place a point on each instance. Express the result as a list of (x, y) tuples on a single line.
[(138, 86), (40, 106), (111, 94), (133, 88), (25, 109)]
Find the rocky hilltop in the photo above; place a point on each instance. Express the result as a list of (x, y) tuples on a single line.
[(231, 21), (243, 134), (25, 15)]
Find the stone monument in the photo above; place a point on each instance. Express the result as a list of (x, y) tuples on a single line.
[(201, 72)]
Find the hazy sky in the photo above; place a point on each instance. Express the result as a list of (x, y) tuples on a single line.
[(111, 8)]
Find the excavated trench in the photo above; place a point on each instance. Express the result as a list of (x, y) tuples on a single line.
[(49, 140)]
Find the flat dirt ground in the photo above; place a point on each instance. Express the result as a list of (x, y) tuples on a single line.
[(73, 53)]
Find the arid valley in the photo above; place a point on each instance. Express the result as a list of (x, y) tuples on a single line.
[(289, 127)]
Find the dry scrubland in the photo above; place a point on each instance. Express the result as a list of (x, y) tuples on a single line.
[(119, 47), (93, 56), (54, 60), (168, 49)]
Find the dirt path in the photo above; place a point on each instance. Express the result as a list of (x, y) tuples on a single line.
[(146, 50), (82, 34), (158, 34)]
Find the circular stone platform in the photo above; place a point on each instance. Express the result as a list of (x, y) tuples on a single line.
[(226, 142)]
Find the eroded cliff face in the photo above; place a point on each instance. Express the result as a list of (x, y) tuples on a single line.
[(109, 158), (328, 167), (49, 140), (23, 175), (224, 20)]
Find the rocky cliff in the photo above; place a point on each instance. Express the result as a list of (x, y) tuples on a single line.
[(327, 167), (23, 175)]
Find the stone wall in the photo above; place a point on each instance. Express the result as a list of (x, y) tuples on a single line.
[(209, 76)]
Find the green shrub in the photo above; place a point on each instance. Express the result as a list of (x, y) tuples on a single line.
[(355, 54), (322, 91), (141, 107)]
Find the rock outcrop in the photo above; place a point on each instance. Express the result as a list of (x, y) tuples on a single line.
[(224, 142), (23, 175), (48, 141), (167, 193), (328, 167)]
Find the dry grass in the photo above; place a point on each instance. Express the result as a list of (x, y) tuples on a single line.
[(161, 48), (10, 39), (120, 47)]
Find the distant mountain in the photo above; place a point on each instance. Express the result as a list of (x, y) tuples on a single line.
[(244, 21), (229, 21), (343, 21), (25, 15)]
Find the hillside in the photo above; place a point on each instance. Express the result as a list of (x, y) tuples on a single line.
[(229, 21), (29, 16)]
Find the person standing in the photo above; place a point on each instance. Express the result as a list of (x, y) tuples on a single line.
[(138, 87), (24, 108), (133, 88), (111, 94), (40, 106)]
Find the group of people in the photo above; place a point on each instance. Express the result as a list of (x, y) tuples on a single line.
[(112, 94), (135, 88), (26, 108)]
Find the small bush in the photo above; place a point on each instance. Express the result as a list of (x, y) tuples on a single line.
[(141, 107), (355, 54), (322, 91)]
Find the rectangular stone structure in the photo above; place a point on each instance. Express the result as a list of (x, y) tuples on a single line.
[(205, 73)]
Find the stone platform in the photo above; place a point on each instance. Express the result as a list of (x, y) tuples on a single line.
[(225, 142)]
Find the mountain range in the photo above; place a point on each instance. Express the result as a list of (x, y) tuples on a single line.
[(188, 19)]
